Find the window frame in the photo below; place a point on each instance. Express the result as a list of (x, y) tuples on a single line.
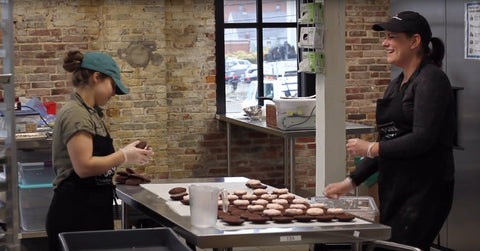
[(259, 25)]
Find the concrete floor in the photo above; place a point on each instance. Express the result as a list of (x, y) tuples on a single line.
[(272, 248)]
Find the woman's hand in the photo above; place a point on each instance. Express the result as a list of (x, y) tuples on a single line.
[(335, 190), (134, 155), (358, 147)]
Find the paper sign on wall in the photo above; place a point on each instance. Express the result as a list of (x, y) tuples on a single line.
[(472, 30)]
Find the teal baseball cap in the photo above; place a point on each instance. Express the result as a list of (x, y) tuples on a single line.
[(101, 62)]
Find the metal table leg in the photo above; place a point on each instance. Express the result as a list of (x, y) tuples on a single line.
[(286, 169), (229, 166), (124, 216), (357, 246), (292, 163)]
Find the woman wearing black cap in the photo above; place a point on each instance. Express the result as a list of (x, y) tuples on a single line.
[(83, 155), (415, 121)]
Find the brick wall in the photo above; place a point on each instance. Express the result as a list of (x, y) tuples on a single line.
[(367, 72), (172, 101)]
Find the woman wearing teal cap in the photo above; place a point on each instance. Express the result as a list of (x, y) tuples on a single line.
[(84, 159)]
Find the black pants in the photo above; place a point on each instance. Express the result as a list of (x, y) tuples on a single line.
[(79, 208)]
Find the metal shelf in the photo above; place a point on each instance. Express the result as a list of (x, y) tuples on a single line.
[(12, 219)]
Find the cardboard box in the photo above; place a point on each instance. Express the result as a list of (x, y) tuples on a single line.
[(271, 115)]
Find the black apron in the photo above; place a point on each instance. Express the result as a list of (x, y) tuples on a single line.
[(83, 204), (414, 201)]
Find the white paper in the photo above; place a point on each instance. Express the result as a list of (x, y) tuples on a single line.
[(472, 30)]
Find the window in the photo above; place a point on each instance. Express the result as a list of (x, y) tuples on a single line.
[(256, 52)]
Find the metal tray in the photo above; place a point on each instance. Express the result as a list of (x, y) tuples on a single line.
[(360, 206), (146, 239)]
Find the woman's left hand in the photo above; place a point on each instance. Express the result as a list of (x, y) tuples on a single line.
[(357, 147)]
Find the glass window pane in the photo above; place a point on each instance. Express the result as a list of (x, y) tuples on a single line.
[(280, 62), (240, 11), (240, 68), (279, 11)]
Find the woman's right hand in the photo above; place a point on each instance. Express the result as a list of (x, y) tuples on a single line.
[(134, 155), (335, 190)]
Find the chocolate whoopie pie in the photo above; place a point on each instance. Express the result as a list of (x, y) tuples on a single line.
[(256, 186), (247, 215), (282, 219), (141, 145), (178, 196), (325, 217), (303, 218), (344, 217), (221, 214), (233, 220), (177, 190), (237, 212), (258, 219)]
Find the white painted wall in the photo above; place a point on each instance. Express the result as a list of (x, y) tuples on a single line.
[(330, 102)]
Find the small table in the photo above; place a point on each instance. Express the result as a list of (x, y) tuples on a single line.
[(289, 136), (161, 211)]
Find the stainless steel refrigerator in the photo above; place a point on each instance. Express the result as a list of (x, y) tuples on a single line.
[(447, 19)]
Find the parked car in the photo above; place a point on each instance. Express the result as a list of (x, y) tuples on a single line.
[(235, 63), (273, 89), (233, 77), (250, 75)]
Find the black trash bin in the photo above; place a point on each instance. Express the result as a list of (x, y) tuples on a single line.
[(146, 239)]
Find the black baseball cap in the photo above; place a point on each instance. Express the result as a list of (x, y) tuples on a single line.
[(407, 21)]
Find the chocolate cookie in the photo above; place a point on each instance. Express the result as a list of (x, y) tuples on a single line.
[(325, 217), (221, 214), (178, 196), (248, 215), (282, 219), (141, 145), (303, 218), (257, 186), (257, 219), (177, 190), (122, 173), (233, 220), (344, 217)]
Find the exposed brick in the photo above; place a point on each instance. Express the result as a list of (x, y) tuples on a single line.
[(172, 105)]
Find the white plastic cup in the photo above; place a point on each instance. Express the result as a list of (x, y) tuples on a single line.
[(204, 205)]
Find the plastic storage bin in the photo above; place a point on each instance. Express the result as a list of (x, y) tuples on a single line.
[(295, 113), (33, 173), (360, 206), (34, 203), (146, 239), (25, 120)]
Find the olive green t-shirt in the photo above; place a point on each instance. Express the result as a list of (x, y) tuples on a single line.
[(74, 117)]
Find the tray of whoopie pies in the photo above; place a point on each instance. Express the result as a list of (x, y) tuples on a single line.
[(258, 206)]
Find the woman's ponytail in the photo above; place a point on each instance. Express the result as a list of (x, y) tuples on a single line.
[(437, 52)]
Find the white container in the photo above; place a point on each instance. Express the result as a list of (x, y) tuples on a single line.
[(295, 113), (33, 173), (204, 205), (25, 121)]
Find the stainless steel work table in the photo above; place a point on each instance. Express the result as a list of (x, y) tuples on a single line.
[(155, 207), (289, 136)]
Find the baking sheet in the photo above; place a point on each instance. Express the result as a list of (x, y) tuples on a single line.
[(184, 210)]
